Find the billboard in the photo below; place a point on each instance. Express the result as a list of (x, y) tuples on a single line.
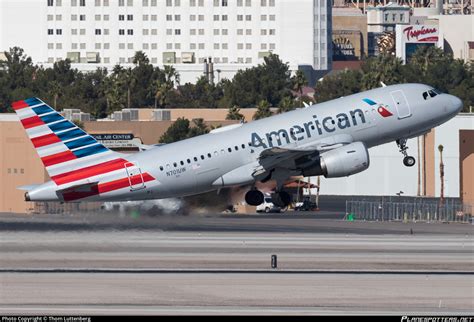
[(411, 37)]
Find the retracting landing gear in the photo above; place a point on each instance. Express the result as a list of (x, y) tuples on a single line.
[(408, 161), (254, 197)]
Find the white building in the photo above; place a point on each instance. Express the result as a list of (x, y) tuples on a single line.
[(235, 33)]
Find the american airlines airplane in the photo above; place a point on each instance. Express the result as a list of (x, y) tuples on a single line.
[(330, 139)]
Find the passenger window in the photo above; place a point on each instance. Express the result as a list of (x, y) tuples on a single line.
[(236, 148), (161, 168), (182, 163), (189, 161), (243, 146), (229, 149), (195, 158), (175, 165), (202, 157), (209, 155)]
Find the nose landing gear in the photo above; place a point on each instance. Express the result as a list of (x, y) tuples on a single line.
[(408, 161)]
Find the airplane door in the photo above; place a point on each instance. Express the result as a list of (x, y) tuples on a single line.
[(401, 104), (135, 176)]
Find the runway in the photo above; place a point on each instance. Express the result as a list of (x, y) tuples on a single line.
[(364, 268)]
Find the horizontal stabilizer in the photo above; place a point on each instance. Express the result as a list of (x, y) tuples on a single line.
[(79, 191), (28, 187)]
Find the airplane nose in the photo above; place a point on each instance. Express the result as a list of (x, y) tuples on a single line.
[(456, 103)]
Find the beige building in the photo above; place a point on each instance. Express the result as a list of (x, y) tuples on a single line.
[(349, 33)]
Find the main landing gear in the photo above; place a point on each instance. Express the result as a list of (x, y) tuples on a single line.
[(281, 199), (408, 161), (254, 197)]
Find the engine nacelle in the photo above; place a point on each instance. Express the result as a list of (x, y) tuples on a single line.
[(341, 162)]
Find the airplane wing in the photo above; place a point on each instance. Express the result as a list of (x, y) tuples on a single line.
[(286, 157)]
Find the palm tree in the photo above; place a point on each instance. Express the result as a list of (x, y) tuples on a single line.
[(171, 75), (441, 174), (55, 90), (160, 89), (299, 82), (234, 114), (424, 56), (263, 110), (140, 58), (129, 80), (286, 104)]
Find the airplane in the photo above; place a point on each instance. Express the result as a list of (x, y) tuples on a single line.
[(330, 139)]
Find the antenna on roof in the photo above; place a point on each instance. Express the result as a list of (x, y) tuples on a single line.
[(305, 104), (383, 84)]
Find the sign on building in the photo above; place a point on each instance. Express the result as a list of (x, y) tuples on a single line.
[(118, 140), (410, 37)]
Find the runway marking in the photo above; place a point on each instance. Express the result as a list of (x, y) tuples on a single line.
[(229, 271), (259, 310)]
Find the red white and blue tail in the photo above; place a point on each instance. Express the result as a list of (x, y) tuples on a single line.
[(68, 153)]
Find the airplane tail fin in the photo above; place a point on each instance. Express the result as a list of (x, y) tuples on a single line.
[(68, 153)]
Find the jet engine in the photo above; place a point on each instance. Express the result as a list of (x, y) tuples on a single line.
[(341, 162)]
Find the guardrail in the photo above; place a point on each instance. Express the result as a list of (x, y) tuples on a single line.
[(417, 210)]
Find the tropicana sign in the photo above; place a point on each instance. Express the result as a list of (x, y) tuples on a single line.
[(421, 34)]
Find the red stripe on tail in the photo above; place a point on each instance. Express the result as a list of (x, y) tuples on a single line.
[(90, 171), (76, 195), (45, 140), (123, 183), (31, 122), (19, 105), (105, 187), (58, 158)]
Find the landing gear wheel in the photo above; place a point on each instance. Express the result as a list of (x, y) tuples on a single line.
[(409, 161), (281, 199), (254, 197)]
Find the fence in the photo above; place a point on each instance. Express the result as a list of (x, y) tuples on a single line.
[(417, 210)]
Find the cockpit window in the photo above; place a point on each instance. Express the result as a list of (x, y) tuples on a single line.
[(431, 93)]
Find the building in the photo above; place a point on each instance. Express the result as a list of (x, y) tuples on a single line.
[(410, 37), (381, 22), (235, 34), (437, 30), (349, 32)]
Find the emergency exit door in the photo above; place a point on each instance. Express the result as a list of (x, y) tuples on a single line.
[(135, 176), (401, 104)]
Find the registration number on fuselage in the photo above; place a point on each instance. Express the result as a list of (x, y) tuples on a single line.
[(175, 172)]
